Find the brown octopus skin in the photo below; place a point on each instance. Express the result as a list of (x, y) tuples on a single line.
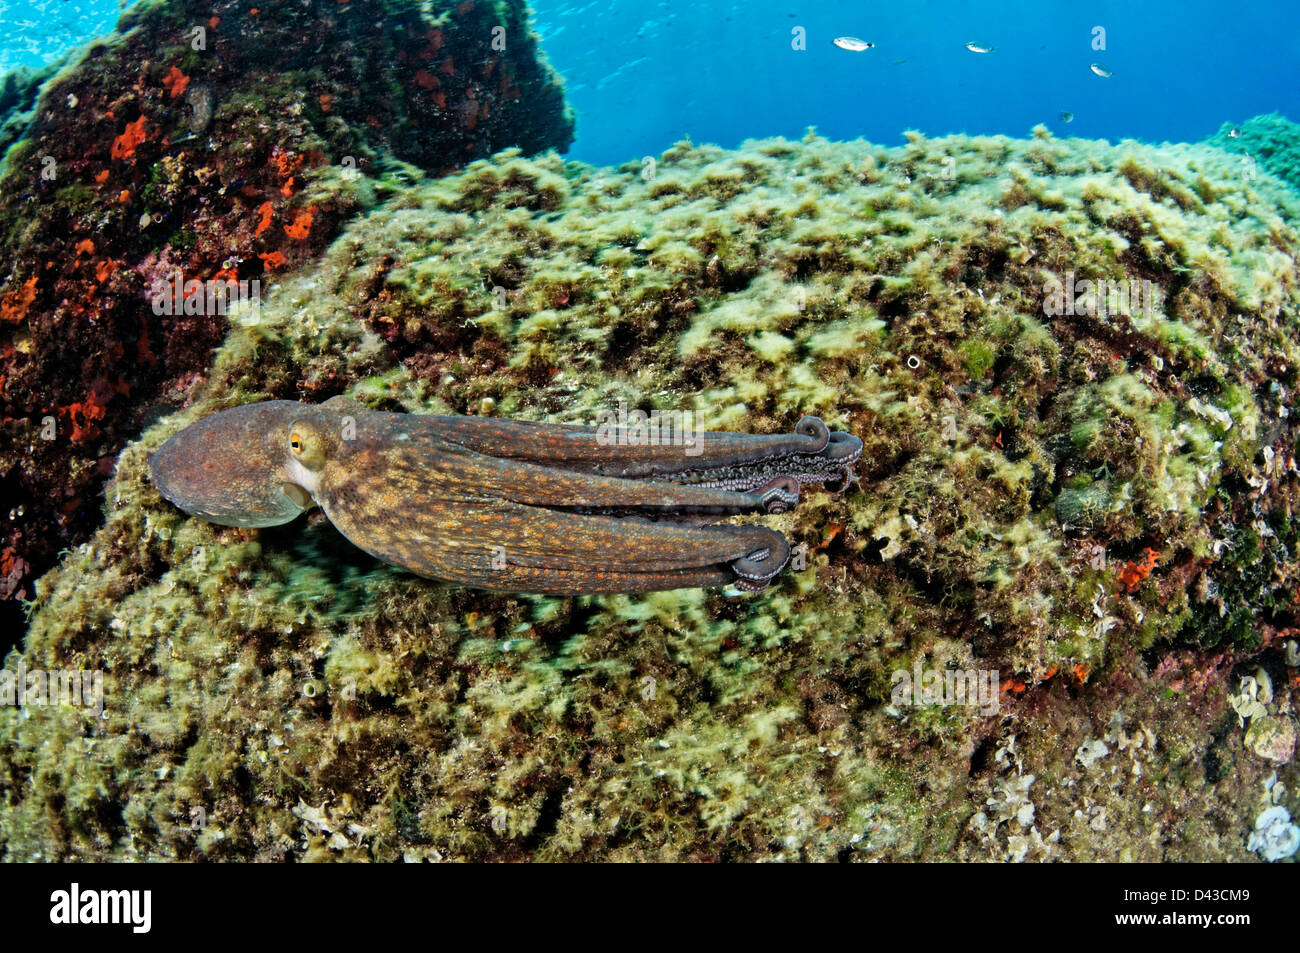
[(505, 505)]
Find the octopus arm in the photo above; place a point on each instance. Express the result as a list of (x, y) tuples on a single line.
[(513, 547), (631, 452), (451, 472)]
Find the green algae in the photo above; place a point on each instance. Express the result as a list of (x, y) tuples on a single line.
[(306, 701)]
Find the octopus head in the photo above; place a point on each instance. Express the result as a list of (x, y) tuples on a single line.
[(236, 467)]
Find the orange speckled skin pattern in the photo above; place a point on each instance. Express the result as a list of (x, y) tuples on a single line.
[(502, 504)]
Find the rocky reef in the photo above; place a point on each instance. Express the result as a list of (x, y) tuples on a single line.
[(210, 142), (18, 92), (1270, 142), (1073, 365)]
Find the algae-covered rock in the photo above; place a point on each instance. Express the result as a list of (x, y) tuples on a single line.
[(1082, 505), (1023, 332), (1272, 738), (1270, 142), (18, 91)]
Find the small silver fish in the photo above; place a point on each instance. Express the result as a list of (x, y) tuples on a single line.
[(978, 47), (1101, 71), (1234, 133), (852, 43), (1067, 116)]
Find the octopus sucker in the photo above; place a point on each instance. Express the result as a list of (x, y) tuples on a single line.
[(507, 505)]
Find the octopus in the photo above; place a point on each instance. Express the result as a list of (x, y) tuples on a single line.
[(508, 505)]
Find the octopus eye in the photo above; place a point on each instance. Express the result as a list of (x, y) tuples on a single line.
[(308, 446)]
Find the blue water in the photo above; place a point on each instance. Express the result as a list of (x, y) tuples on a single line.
[(642, 75), (33, 32)]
